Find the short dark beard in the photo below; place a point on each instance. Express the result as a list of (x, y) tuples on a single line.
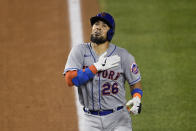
[(98, 40)]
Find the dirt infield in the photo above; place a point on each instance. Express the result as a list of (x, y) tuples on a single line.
[(34, 43)]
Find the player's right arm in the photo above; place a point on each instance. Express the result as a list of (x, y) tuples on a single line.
[(80, 77), (74, 72)]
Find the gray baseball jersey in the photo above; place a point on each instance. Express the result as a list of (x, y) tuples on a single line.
[(107, 89)]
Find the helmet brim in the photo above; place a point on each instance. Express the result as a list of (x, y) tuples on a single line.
[(97, 18)]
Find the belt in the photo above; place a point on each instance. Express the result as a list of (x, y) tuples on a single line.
[(101, 112)]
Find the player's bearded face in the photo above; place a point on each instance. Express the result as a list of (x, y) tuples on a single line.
[(99, 32), (98, 39)]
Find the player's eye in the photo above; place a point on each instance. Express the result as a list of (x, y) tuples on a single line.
[(104, 25)]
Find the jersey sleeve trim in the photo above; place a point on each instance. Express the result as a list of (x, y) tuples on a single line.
[(135, 81), (69, 69)]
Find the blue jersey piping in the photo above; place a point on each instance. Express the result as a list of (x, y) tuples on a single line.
[(112, 51), (92, 82), (132, 83)]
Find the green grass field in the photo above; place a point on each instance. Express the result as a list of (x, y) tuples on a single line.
[(161, 34)]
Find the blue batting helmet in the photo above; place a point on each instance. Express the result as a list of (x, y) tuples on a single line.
[(108, 19)]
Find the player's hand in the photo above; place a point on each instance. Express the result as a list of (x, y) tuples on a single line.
[(105, 63), (136, 105)]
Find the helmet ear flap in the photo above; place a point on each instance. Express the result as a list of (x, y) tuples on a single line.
[(110, 34)]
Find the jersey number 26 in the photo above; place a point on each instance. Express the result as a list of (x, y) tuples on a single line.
[(109, 88)]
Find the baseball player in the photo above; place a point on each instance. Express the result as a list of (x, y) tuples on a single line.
[(99, 70)]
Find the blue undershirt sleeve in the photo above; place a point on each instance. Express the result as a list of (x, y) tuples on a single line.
[(82, 77)]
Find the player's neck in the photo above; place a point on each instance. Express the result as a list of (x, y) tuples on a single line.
[(100, 49)]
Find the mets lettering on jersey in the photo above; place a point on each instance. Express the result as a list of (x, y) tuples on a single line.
[(107, 88)]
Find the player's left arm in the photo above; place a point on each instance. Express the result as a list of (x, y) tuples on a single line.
[(137, 93), (137, 86)]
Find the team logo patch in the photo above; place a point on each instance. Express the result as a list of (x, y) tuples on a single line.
[(134, 68)]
